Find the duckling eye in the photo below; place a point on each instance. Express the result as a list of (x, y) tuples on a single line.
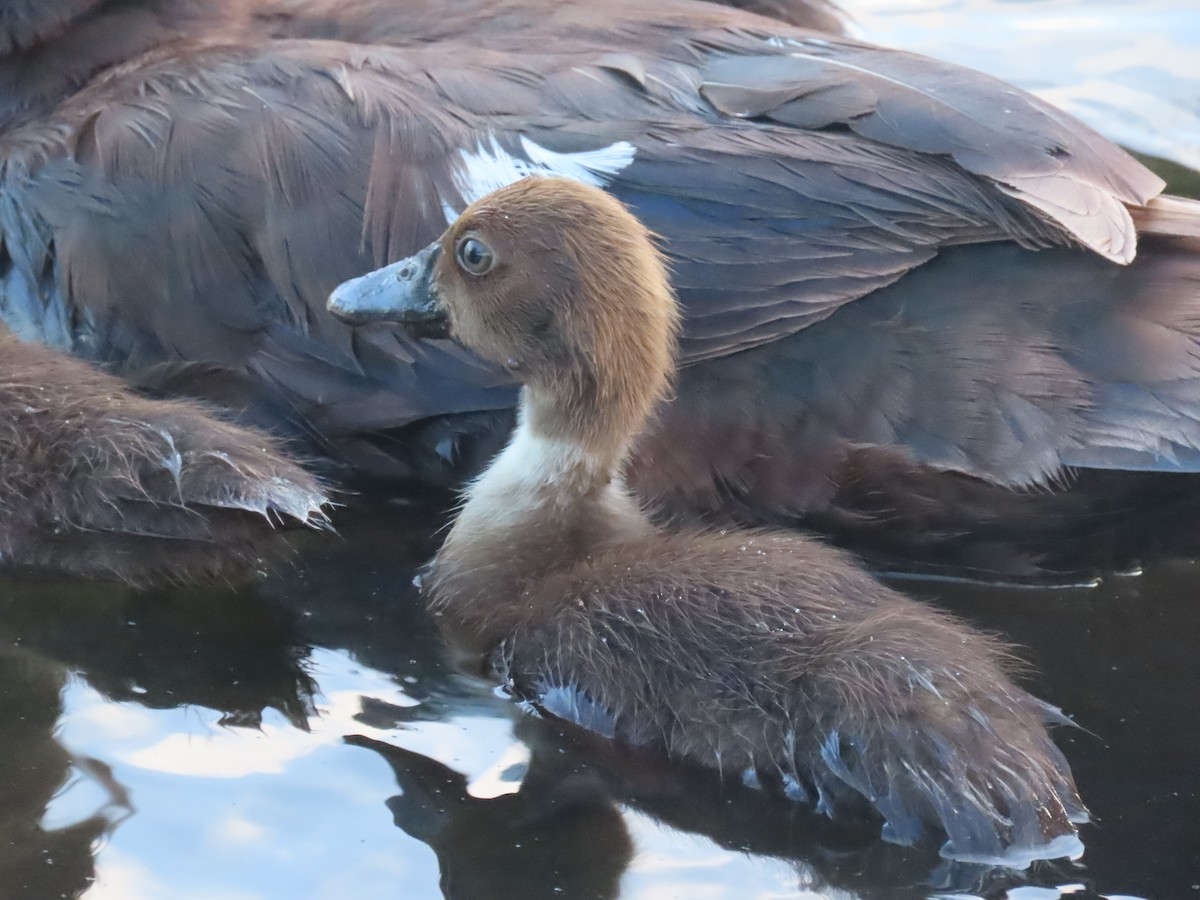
[(474, 256)]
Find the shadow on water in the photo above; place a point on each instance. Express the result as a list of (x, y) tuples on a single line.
[(562, 819)]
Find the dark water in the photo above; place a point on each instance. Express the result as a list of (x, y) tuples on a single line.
[(192, 743)]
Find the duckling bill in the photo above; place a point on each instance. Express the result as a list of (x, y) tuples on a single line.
[(402, 292), (743, 650)]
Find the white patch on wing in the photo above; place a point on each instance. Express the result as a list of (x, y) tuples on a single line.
[(489, 166)]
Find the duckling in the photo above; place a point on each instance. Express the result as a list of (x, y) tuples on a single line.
[(817, 195), (746, 651), (98, 481)]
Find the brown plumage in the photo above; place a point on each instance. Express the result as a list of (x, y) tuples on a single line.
[(741, 650), (98, 481), (183, 183)]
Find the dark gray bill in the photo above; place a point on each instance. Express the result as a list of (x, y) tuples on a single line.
[(402, 292)]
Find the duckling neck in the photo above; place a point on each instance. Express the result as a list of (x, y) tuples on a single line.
[(546, 503)]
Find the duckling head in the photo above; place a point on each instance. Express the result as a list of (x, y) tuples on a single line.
[(554, 280)]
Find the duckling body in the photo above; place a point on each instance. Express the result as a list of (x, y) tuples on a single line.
[(741, 650), (185, 182), (98, 481)]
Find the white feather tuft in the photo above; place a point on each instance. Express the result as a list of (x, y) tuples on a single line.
[(489, 166)]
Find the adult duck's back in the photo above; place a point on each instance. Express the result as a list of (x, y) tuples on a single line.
[(847, 227)]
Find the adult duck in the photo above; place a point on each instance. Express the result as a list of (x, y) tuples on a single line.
[(94, 479), (745, 650), (910, 291)]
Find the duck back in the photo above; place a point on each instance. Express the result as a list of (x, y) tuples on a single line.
[(183, 184)]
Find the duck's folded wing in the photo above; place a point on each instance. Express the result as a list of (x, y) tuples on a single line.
[(790, 173), (199, 205), (774, 233), (822, 15), (1024, 147), (1010, 365)]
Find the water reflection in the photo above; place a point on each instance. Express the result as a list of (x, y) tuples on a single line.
[(565, 831), (164, 648), (37, 858), (558, 835), (224, 716), (1127, 69)]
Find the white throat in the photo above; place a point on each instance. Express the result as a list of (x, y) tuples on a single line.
[(542, 504), (533, 472)]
